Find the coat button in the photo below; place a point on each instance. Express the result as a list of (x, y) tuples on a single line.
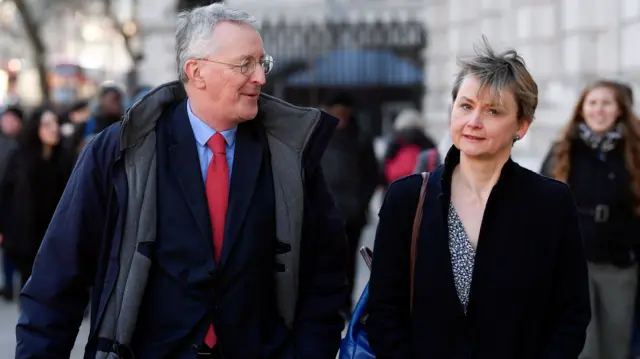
[(195, 347), (612, 176)]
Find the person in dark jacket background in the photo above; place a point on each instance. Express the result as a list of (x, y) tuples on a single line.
[(109, 109), (351, 171), (499, 268), (36, 176), (74, 122), (597, 156), (11, 123)]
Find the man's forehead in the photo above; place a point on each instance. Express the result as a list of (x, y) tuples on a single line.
[(238, 40)]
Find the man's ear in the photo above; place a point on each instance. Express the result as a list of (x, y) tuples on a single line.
[(194, 73)]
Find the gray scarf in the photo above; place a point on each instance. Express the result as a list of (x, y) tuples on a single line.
[(600, 142)]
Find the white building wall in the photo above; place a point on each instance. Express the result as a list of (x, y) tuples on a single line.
[(157, 19), (566, 44)]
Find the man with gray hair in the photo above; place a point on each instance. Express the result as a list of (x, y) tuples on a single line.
[(201, 222)]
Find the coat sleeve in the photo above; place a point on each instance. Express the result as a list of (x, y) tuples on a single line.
[(571, 308), (55, 297), (389, 286), (323, 280)]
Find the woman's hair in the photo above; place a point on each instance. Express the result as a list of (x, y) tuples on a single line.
[(499, 71), (561, 163), (30, 136)]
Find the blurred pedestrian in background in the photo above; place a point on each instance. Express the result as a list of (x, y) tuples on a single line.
[(109, 109), (351, 172), (34, 180), (74, 123), (409, 139), (11, 123), (598, 156)]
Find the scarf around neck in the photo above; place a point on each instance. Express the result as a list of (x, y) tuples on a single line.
[(600, 142)]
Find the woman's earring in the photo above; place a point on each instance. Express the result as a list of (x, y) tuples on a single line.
[(516, 138)]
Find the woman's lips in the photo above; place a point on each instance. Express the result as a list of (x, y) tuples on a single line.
[(473, 138)]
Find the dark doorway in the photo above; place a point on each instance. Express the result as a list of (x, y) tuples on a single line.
[(379, 64)]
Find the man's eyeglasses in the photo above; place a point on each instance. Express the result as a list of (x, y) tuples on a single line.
[(248, 65)]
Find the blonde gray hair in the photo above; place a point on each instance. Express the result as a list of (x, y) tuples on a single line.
[(500, 71), (194, 32)]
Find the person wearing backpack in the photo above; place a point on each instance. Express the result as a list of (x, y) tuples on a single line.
[(408, 141), (428, 160)]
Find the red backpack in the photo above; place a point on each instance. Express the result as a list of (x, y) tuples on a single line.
[(402, 164)]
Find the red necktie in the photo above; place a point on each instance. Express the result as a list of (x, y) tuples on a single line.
[(217, 190)]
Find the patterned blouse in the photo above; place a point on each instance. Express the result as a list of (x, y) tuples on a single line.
[(462, 256)]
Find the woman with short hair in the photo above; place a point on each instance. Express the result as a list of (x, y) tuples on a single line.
[(499, 268)]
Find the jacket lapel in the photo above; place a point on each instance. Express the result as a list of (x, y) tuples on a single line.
[(246, 168), (185, 165)]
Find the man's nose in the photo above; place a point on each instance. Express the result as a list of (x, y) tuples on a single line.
[(258, 77)]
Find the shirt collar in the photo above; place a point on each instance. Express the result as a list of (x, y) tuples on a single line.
[(203, 132)]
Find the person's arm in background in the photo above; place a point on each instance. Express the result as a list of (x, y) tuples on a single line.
[(55, 297)]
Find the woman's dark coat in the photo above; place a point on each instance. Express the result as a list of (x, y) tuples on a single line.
[(29, 194), (529, 296)]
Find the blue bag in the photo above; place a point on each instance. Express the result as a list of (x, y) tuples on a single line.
[(355, 345)]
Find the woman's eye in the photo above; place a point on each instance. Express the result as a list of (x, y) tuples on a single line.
[(465, 106)]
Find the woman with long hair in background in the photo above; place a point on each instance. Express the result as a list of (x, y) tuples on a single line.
[(36, 176), (598, 156)]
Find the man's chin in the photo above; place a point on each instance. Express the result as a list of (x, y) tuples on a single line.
[(249, 114)]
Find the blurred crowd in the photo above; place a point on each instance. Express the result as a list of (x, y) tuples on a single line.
[(38, 149)]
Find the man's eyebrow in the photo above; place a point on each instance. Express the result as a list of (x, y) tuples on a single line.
[(244, 56)]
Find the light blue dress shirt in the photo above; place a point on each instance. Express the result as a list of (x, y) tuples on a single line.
[(203, 133)]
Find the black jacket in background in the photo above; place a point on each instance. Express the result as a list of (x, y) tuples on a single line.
[(29, 194), (596, 183), (529, 297), (351, 172)]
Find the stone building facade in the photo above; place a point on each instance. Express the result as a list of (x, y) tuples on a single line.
[(566, 44)]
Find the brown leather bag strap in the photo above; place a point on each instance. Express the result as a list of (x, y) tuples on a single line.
[(416, 231)]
